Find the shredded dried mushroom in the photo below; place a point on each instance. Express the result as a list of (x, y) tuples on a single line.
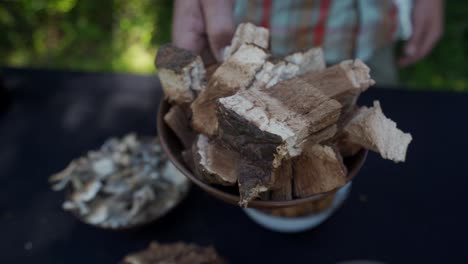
[(174, 253), (126, 182)]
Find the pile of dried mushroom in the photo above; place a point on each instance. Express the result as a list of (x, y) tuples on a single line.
[(175, 253), (127, 182), (278, 127)]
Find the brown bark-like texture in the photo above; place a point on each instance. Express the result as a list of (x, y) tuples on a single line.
[(178, 119), (247, 33), (319, 169), (343, 82), (282, 188), (213, 163), (236, 73), (267, 126), (280, 117), (181, 72)]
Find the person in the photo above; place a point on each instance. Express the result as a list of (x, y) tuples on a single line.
[(364, 29)]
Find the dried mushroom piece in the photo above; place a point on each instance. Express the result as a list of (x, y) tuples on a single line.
[(282, 189), (236, 73), (215, 163), (318, 169), (125, 183), (181, 72), (176, 253), (312, 60), (273, 71), (284, 115), (267, 126), (371, 129), (277, 69), (247, 33), (178, 119), (343, 82)]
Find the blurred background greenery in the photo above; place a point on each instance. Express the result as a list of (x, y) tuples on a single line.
[(123, 36)]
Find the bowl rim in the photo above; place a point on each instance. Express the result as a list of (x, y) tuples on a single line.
[(163, 129)]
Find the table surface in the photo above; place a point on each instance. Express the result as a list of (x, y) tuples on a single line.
[(413, 212)]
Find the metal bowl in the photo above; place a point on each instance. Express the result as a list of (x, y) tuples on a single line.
[(173, 148)]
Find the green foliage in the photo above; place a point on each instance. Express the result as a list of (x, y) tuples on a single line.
[(445, 68), (123, 36), (110, 35)]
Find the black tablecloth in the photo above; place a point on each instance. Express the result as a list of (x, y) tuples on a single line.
[(413, 212)]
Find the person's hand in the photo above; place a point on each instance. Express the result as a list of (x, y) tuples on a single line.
[(203, 26), (427, 19)]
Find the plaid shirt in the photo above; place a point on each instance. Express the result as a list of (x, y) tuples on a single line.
[(344, 28)]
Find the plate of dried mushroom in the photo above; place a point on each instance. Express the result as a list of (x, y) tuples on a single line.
[(280, 134), (127, 183)]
